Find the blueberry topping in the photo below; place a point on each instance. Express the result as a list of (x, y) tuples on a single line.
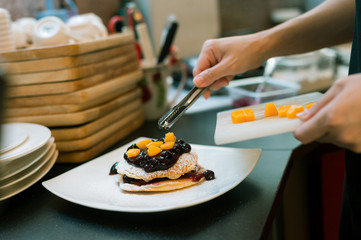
[(163, 161), (113, 169)]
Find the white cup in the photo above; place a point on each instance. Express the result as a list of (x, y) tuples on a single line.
[(51, 31), (28, 25), (86, 27), (19, 35)]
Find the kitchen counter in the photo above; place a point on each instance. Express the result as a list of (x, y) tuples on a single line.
[(245, 212)]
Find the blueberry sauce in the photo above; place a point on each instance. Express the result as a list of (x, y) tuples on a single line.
[(164, 160), (193, 175), (113, 169), (209, 175), (140, 182)]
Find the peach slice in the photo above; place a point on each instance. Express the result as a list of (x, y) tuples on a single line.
[(282, 110), (238, 116), (157, 144), (309, 105), (249, 114), (170, 137), (133, 152), (143, 144), (270, 110), (167, 145), (242, 115), (153, 150), (293, 110)]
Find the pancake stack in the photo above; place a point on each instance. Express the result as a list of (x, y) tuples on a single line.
[(159, 165)]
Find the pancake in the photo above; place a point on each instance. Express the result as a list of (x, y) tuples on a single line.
[(185, 163), (164, 184)]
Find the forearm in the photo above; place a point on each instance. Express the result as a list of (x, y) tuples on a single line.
[(329, 24)]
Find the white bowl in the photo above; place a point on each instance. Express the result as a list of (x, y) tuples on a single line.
[(86, 27)]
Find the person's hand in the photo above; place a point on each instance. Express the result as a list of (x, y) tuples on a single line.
[(336, 117), (221, 59)]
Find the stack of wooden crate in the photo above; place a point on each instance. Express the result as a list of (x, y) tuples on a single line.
[(86, 93)]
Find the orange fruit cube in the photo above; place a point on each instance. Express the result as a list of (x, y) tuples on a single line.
[(170, 137), (249, 114), (242, 115), (133, 152), (157, 144), (293, 110), (270, 110), (309, 105), (238, 116), (143, 144), (153, 150), (282, 110), (167, 145)]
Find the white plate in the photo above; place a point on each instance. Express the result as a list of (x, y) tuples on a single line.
[(19, 164), (28, 181), (38, 135), (12, 136), (91, 185), (29, 170)]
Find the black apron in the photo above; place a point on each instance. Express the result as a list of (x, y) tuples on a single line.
[(350, 226)]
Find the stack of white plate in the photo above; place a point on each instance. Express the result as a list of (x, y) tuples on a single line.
[(27, 153), (6, 38)]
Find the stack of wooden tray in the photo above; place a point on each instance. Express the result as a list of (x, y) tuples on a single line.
[(86, 93)]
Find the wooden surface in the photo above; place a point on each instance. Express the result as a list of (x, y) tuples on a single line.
[(96, 138), (85, 130), (85, 155), (70, 74), (80, 99), (77, 118), (57, 63), (65, 109), (67, 49), (228, 132), (69, 86)]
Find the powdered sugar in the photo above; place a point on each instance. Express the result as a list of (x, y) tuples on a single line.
[(186, 163)]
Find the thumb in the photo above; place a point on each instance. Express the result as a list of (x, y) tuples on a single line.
[(321, 103)]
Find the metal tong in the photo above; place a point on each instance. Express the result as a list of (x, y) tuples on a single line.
[(168, 119)]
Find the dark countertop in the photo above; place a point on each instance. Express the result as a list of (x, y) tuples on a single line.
[(245, 212)]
